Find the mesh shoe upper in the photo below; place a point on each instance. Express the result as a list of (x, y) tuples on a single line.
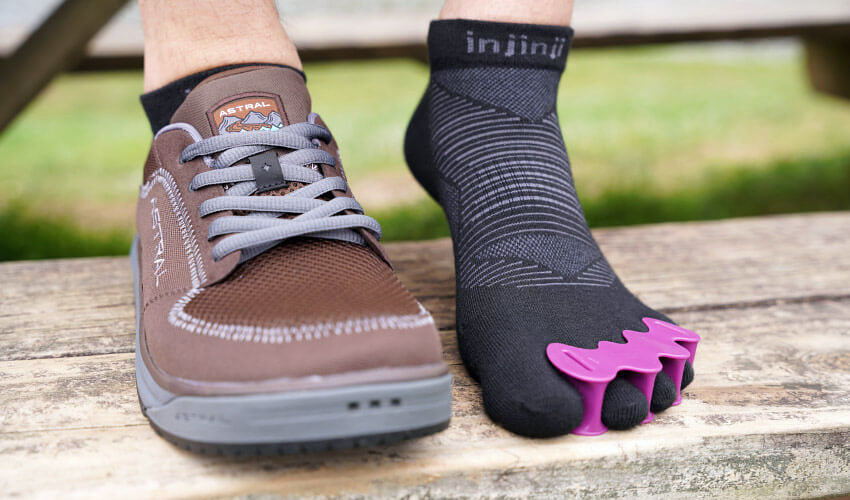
[(307, 281), (299, 307)]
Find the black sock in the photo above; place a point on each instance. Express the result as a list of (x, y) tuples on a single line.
[(161, 104), (486, 144)]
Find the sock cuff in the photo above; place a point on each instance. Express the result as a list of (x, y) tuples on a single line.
[(456, 43), (161, 104)]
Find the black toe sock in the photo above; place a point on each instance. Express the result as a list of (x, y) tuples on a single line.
[(624, 405), (486, 144), (663, 393)]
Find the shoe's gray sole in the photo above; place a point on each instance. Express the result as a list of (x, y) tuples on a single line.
[(295, 421)]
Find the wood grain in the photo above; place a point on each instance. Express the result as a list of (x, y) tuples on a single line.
[(58, 44), (84, 306), (768, 414), (400, 31)]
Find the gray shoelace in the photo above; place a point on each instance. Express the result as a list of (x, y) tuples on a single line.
[(261, 228)]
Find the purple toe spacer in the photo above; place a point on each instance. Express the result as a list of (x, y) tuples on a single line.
[(664, 347)]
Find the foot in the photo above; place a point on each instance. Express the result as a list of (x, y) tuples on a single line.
[(486, 144), (269, 319)]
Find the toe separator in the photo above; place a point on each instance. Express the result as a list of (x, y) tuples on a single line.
[(664, 346), (692, 349), (592, 395), (675, 369)]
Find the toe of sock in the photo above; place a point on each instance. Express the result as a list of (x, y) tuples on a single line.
[(624, 405), (687, 374), (541, 406), (663, 393)]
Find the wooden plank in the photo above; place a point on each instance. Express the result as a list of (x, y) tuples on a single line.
[(58, 44), (828, 63), (768, 414), (601, 24), (788, 369), (348, 33), (702, 265)]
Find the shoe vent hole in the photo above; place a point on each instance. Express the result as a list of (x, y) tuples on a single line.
[(375, 403), (354, 405), (395, 402)]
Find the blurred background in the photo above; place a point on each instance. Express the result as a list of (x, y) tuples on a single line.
[(671, 111)]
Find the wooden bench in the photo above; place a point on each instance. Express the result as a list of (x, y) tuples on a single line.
[(29, 61), (768, 413)]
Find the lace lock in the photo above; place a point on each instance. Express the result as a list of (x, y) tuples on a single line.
[(267, 172)]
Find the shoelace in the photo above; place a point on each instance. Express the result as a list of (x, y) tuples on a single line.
[(261, 228)]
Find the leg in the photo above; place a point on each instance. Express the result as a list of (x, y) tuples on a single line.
[(551, 12), (486, 143), (189, 36)]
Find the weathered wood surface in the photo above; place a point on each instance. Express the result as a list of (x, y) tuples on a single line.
[(768, 414), (352, 32), (57, 45), (29, 61), (828, 64)]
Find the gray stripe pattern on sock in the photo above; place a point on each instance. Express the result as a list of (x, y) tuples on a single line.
[(507, 189)]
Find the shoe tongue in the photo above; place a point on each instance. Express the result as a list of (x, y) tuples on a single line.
[(246, 99)]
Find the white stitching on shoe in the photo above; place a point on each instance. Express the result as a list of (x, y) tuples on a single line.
[(178, 317), (190, 242)]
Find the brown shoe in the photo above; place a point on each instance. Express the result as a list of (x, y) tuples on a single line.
[(268, 317)]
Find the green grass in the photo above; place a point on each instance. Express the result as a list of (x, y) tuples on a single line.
[(30, 236), (655, 134)]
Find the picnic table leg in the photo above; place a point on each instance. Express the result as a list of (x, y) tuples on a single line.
[(828, 64), (58, 44)]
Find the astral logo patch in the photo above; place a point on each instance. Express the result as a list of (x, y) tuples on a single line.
[(248, 113)]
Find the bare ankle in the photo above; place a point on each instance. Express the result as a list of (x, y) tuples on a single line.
[(186, 37)]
